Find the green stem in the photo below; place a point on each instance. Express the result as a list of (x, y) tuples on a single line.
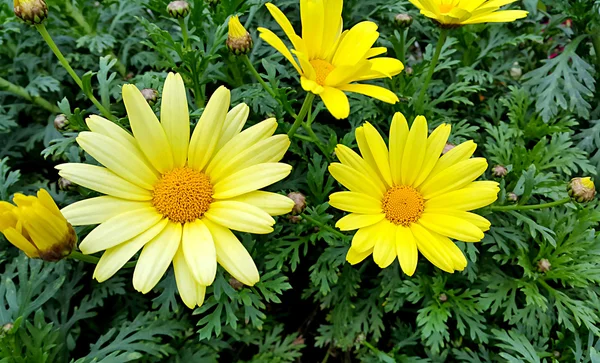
[(315, 140), (434, 60), (505, 208), (402, 44), (302, 114), (76, 255), (22, 92), (324, 226), (65, 63), (257, 76), (184, 33), (326, 358), (596, 44)]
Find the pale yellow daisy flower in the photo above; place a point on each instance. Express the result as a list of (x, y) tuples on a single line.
[(330, 60), (174, 198), (463, 12), (411, 198)]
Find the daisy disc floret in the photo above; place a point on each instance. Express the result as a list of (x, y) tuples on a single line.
[(177, 198), (454, 13), (411, 198), (330, 61)]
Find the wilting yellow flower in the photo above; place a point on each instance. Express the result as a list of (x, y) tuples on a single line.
[(463, 12), (178, 198), (328, 60), (410, 199), (36, 226), (239, 40)]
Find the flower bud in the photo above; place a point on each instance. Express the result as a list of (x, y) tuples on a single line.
[(178, 9), (235, 284), (582, 189), (299, 202), (512, 197), (36, 226), (151, 95), (408, 71), (65, 184), (403, 21), (443, 297), (31, 11), (239, 40), (516, 72), (499, 171), (61, 122), (544, 265), (449, 146)]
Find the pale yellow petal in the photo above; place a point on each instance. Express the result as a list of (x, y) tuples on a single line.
[(99, 210), (272, 203), (175, 118), (234, 123), (355, 221), (199, 251), (250, 179), (186, 285), (240, 217), (355, 202), (451, 226)]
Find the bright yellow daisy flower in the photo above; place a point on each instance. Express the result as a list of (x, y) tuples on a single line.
[(175, 198), (463, 12), (410, 199), (329, 60)]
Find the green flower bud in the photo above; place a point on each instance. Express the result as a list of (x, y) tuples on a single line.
[(31, 11), (178, 9), (403, 21), (61, 123)]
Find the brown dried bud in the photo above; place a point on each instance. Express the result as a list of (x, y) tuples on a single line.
[(239, 41), (544, 265), (61, 123), (299, 202), (582, 189), (65, 184), (178, 9), (408, 71), (516, 72), (235, 284), (443, 297), (512, 197), (449, 146), (299, 340), (499, 171), (403, 21), (151, 95), (294, 219), (31, 11)]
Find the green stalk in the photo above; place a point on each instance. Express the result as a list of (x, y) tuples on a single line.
[(307, 126), (596, 44), (65, 63), (402, 44), (505, 208), (22, 92), (184, 33), (323, 226), (434, 60), (76, 255), (302, 114)]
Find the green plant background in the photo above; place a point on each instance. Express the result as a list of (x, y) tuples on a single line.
[(524, 91)]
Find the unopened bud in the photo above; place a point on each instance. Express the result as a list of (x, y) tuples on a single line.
[(544, 265), (65, 184), (582, 189), (299, 340), (31, 11), (403, 21), (499, 171), (516, 72), (178, 9), (512, 197), (61, 123), (408, 71), (151, 95), (443, 297), (449, 146), (299, 202), (235, 284), (7, 327), (294, 219), (239, 40)]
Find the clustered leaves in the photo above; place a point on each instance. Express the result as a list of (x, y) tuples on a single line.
[(524, 91)]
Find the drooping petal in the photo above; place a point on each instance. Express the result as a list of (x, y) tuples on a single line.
[(199, 251), (175, 118), (380, 93), (336, 102), (274, 41)]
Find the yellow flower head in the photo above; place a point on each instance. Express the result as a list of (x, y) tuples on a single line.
[(329, 60), (462, 12), (410, 199), (36, 226), (582, 189), (239, 40), (175, 198)]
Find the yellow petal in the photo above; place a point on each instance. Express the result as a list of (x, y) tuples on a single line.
[(250, 179), (435, 145), (355, 202), (116, 257), (365, 238), (455, 155), (398, 136), (336, 102), (379, 150), (382, 67), (356, 44), (206, 134), (102, 180), (147, 130), (368, 155), (233, 256), (99, 210), (274, 41), (46, 200), (350, 158), (455, 177), (384, 252), (355, 221), (272, 203), (175, 118), (406, 248), (234, 123), (240, 217), (199, 251), (353, 256), (475, 195), (451, 226), (414, 151), (354, 180), (370, 90), (285, 25), (20, 242), (186, 285), (156, 257), (332, 26), (119, 229), (451, 251), (430, 247), (498, 17), (479, 221), (312, 15)]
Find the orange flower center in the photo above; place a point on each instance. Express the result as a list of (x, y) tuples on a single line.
[(183, 195), (322, 69), (446, 8), (403, 205)]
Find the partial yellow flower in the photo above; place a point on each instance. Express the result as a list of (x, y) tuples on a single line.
[(410, 198), (36, 226), (329, 60), (174, 198), (239, 40), (463, 12)]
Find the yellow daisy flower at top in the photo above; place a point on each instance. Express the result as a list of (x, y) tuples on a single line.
[(463, 12), (330, 61), (175, 198), (410, 199)]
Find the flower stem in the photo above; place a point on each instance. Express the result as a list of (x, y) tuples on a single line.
[(505, 208), (22, 92), (65, 63), (402, 44), (434, 60), (184, 33), (596, 44), (324, 226), (76, 255), (302, 114)]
